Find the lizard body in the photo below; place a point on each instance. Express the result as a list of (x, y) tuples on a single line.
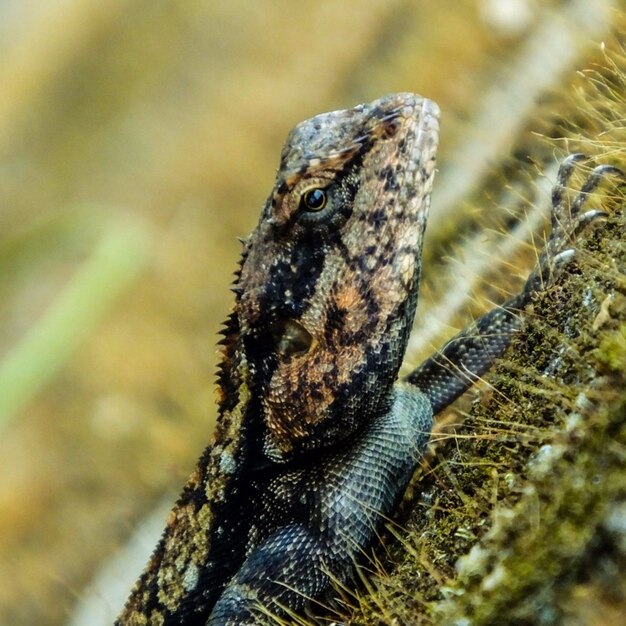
[(316, 439)]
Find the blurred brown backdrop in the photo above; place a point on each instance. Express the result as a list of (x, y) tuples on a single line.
[(137, 140)]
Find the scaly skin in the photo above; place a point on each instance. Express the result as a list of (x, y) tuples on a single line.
[(316, 439)]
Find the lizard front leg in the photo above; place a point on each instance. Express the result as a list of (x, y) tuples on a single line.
[(467, 356), (329, 510)]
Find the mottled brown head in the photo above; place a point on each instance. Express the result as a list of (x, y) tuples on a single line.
[(329, 280)]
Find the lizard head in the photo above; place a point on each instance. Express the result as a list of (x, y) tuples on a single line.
[(328, 283)]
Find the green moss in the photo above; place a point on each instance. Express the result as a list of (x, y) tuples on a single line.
[(612, 350)]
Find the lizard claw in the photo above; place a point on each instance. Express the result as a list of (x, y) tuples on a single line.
[(598, 174), (563, 258), (568, 220), (592, 214), (582, 222), (566, 169), (588, 217)]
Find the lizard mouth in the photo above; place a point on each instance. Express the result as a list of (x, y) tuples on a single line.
[(291, 338)]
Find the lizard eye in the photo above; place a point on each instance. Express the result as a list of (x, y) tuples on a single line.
[(313, 199)]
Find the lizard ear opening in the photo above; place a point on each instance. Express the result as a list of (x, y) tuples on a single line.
[(291, 338)]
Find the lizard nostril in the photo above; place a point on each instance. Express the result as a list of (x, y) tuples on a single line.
[(390, 128)]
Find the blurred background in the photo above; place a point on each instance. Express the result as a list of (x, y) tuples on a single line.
[(138, 139)]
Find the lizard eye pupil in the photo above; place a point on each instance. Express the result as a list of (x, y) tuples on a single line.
[(314, 199)]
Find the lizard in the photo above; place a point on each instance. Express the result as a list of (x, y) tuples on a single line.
[(316, 438)]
